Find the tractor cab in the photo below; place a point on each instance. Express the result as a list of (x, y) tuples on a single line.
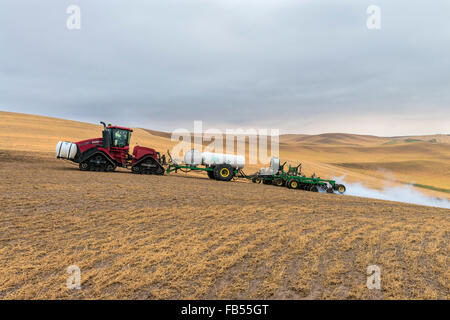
[(120, 136), (116, 137), (116, 142), (295, 171)]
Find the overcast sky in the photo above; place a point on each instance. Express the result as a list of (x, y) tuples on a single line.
[(297, 65)]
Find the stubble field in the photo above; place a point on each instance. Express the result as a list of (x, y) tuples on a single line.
[(177, 236)]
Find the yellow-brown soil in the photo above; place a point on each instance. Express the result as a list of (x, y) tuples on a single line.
[(185, 236)]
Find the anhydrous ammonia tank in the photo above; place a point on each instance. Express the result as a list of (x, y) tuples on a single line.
[(275, 163), (66, 150), (273, 169), (211, 159), (194, 158)]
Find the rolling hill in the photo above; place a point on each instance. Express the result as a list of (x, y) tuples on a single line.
[(184, 236), (371, 160)]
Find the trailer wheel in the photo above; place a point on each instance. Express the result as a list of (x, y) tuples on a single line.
[(258, 180), (267, 181), (278, 182), (340, 188), (223, 172), (293, 184)]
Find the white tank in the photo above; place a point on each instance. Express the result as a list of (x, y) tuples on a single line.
[(66, 150), (193, 157), (211, 159), (273, 169), (275, 164)]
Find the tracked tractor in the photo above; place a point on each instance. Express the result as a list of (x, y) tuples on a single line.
[(111, 151)]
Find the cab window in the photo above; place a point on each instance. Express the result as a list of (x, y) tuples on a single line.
[(120, 138)]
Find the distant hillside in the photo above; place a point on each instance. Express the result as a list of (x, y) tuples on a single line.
[(436, 138), (38, 133), (334, 139)]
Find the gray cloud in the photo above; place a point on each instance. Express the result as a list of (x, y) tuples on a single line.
[(301, 66)]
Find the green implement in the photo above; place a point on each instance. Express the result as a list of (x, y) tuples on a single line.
[(293, 179)]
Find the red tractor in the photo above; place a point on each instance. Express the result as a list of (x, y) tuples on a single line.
[(111, 151)]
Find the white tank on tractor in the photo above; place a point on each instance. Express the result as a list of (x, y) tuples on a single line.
[(66, 150), (273, 169)]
